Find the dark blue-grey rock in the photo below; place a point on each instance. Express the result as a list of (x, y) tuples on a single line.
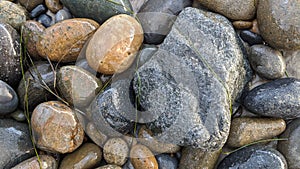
[(251, 38), (38, 11), (10, 67), (8, 99), (45, 20), (267, 62), (290, 148), (98, 10), (279, 98), (158, 16), (166, 161), (62, 14), (15, 143), (188, 91), (254, 157)]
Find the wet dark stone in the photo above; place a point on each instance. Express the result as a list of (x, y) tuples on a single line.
[(279, 98), (38, 11), (15, 143), (45, 20), (165, 161), (8, 99), (251, 38)]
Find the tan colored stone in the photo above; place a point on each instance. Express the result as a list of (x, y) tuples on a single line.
[(242, 24), (12, 14), (255, 28), (53, 5), (56, 128), (245, 130), (30, 4), (109, 167), (64, 40), (114, 45), (115, 151), (48, 162), (142, 158)]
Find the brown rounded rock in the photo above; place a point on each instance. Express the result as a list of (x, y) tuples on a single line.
[(114, 45), (255, 28), (31, 33), (12, 14), (142, 158), (109, 167), (279, 23), (242, 24), (64, 40), (30, 4), (56, 128), (47, 162), (115, 151), (246, 130), (87, 156), (53, 5)]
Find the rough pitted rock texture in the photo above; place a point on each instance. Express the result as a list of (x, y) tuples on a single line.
[(292, 59), (279, 98), (186, 89)]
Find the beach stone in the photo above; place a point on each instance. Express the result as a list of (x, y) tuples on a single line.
[(142, 158), (18, 115), (267, 62), (198, 159), (255, 28), (97, 136), (31, 33), (137, 4), (109, 167), (47, 162), (8, 99), (45, 20), (12, 14), (242, 24), (65, 47), (292, 59), (38, 10), (10, 67), (279, 98), (114, 45), (15, 143), (290, 147), (182, 78), (53, 5), (87, 156), (30, 4), (128, 165), (55, 116), (254, 157), (36, 77), (165, 161), (62, 14), (115, 151), (246, 130), (251, 38), (279, 23), (99, 10), (78, 86), (232, 9), (85, 65)]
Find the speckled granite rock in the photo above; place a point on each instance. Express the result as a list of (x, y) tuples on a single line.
[(12, 13)]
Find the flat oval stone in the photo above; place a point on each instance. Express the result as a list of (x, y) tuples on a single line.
[(38, 10), (8, 99), (55, 116), (78, 86), (242, 24), (113, 47), (246, 130), (115, 151), (267, 62), (98, 10), (10, 67), (87, 156), (279, 98), (30, 4), (31, 33), (251, 38), (279, 23), (290, 148), (53, 5), (142, 158), (65, 47), (254, 157), (12, 14), (47, 162)]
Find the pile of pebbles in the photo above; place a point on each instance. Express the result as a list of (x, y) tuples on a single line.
[(135, 84)]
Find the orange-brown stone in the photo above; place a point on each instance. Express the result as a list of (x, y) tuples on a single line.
[(142, 158)]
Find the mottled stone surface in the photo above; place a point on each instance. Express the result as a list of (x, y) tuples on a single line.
[(8, 99), (254, 157), (114, 45), (98, 10), (78, 86), (292, 59), (232, 9), (10, 67), (115, 151), (96, 135), (142, 158), (246, 130), (47, 162), (63, 41), (30, 4), (267, 62), (279, 23), (87, 156), (242, 24), (109, 167), (12, 14), (166, 161), (291, 147), (15, 143), (187, 90), (53, 5), (198, 159), (55, 116), (279, 98)]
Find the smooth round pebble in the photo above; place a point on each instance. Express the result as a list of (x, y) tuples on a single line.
[(86, 156), (53, 116), (142, 158), (109, 167), (8, 99), (45, 20), (38, 10), (251, 38), (12, 14), (113, 47), (47, 162), (166, 161), (115, 151), (97, 136), (53, 5), (62, 14), (18, 115), (242, 24)]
